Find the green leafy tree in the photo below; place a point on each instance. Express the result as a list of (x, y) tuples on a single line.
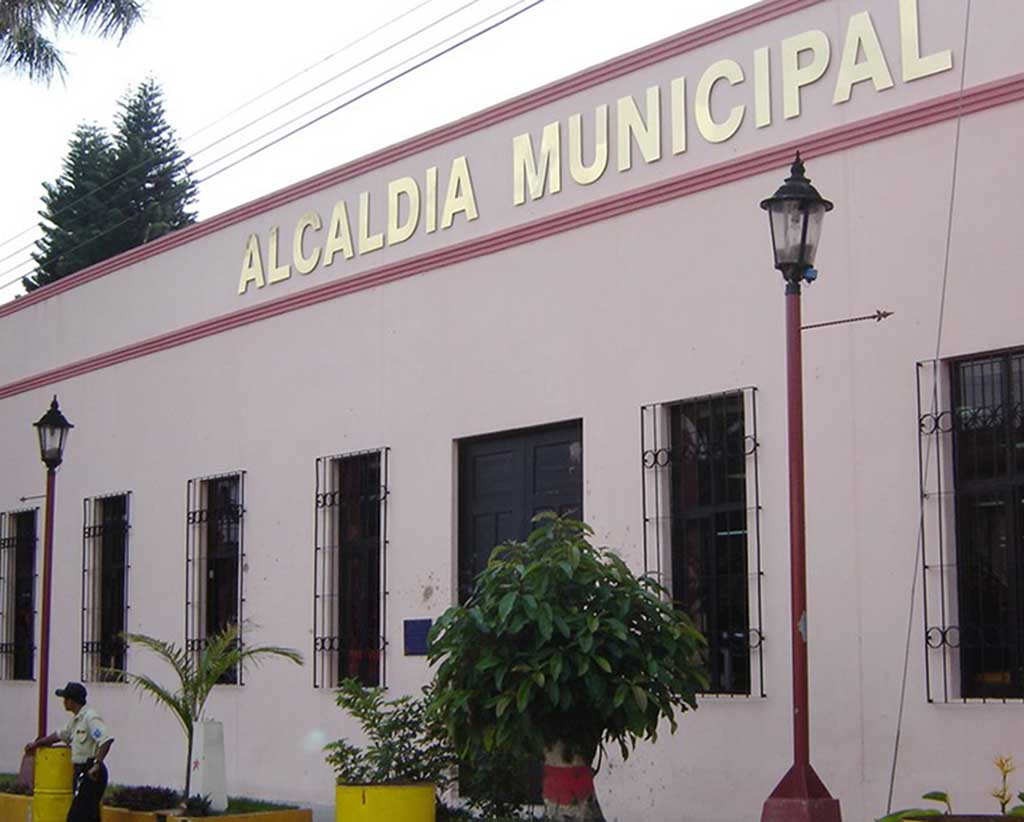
[(114, 193), (197, 675), (27, 26), (559, 650)]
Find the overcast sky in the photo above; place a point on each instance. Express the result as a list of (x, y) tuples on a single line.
[(212, 56)]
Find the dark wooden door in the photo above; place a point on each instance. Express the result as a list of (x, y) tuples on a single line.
[(505, 479)]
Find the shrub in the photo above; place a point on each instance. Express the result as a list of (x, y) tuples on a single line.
[(9, 784), (142, 797), (561, 643), (198, 805), (245, 804)]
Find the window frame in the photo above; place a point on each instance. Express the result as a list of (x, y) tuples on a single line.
[(329, 564), (197, 558), (94, 579), (9, 611), (945, 495), (660, 518)]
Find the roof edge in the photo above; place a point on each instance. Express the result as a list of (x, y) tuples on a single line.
[(643, 57)]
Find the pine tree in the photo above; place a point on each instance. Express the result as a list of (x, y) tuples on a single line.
[(152, 189), (114, 194), (76, 212)]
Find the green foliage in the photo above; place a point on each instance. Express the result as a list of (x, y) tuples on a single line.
[(9, 784), (142, 797), (198, 805), (495, 786), (76, 208), (114, 193), (1002, 794), (27, 25), (403, 745), (561, 642), (196, 675), (245, 804)]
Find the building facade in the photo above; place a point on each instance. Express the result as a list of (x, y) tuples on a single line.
[(315, 414)]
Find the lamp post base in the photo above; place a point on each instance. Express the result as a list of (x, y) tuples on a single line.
[(801, 796)]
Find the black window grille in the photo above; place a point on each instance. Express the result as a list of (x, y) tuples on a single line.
[(350, 569), (17, 593), (104, 586), (972, 516), (702, 533), (214, 561)]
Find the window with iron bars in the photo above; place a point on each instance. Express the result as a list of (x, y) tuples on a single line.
[(17, 593), (350, 569), (971, 413), (105, 566), (702, 535), (214, 561)]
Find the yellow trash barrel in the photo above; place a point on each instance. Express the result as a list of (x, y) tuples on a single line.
[(52, 791), (377, 803)]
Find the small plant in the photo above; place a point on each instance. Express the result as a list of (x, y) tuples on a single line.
[(1001, 793), (404, 746), (142, 797), (1005, 766), (196, 675), (197, 805)]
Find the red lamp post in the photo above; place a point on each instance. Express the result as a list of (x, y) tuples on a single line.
[(795, 213), (53, 430)]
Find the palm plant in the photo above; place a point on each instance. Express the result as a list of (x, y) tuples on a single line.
[(25, 24), (197, 675)]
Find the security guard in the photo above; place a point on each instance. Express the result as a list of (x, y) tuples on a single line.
[(90, 743)]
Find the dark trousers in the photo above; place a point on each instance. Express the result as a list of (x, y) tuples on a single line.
[(85, 806)]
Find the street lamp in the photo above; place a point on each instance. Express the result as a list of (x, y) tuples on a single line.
[(795, 215), (53, 430)]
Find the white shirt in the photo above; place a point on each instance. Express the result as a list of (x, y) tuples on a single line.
[(85, 732)]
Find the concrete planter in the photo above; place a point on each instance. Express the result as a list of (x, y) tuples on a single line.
[(377, 803)]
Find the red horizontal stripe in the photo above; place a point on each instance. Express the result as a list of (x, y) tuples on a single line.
[(834, 140), (649, 55)]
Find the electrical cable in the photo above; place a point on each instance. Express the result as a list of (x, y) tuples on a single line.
[(323, 116), (307, 69), (234, 111), (363, 94), (919, 552), (266, 114), (331, 79)]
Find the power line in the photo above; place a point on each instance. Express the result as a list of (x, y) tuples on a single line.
[(323, 116), (331, 79), (363, 94), (307, 69), (249, 102)]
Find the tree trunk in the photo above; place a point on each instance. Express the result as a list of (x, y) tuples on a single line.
[(188, 771), (569, 788)]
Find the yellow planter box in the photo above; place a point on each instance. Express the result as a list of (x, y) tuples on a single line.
[(377, 803), (14, 807), (122, 815), (17, 808), (108, 814)]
